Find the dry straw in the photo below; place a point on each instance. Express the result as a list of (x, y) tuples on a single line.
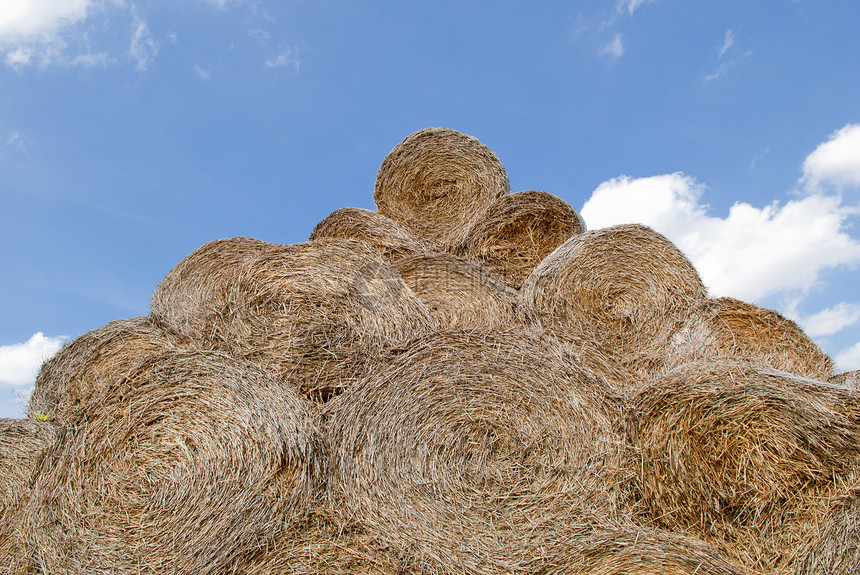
[(518, 231), (464, 449), (436, 182), (740, 454), (23, 443), (459, 294), (391, 239), (834, 546), (727, 326), (193, 462), (626, 286), (311, 314), (847, 379), (94, 360)]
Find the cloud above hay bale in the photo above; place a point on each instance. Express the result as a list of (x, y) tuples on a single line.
[(19, 362), (836, 162)]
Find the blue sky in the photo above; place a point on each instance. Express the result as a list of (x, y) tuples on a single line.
[(133, 132)]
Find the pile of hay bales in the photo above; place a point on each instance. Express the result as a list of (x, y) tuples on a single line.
[(466, 381)]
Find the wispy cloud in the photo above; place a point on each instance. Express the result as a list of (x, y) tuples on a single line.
[(759, 157), (19, 362), (835, 162), (630, 6), (201, 72), (832, 320), (728, 42), (614, 49), (143, 48), (287, 57), (724, 56)]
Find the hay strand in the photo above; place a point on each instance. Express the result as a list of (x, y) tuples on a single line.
[(458, 293), (730, 327), (82, 367), (518, 231), (311, 314), (465, 446), (436, 182), (194, 461), (626, 286), (391, 239)]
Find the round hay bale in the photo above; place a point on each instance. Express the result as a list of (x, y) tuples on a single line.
[(629, 550), (463, 446), (518, 231), (626, 286), (436, 182), (833, 548), (729, 327), (311, 314), (459, 294), (203, 275), (722, 447), (82, 367), (23, 443), (846, 379), (391, 239), (194, 461)]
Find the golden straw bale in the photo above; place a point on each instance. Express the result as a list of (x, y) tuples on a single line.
[(626, 286), (518, 231), (391, 239), (738, 453), (23, 443), (846, 379), (459, 294), (194, 461), (436, 182), (309, 313), (833, 548), (463, 446), (727, 326), (629, 550), (82, 367)]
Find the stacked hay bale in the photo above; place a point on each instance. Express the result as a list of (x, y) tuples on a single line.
[(463, 381)]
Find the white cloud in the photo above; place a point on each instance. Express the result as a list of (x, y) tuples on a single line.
[(848, 359), (728, 42), (836, 161), (614, 48), (20, 362), (23, 19), (831, 320), (630, 6), (751, 253), (287, 57), (201, 72), (143, 48)]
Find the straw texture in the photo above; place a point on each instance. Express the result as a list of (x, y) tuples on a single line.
[(727, 326), (518, 231), (458, 293), (311, 314), (193, 462), (391, 239), (436, 182), (464, 449), (627, 287), (84, 366)]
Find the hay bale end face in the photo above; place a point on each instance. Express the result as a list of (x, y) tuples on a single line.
[(464, 448), (94, 360), (458, 293), (311, 314), (193, 462), (729, 327), (729, 450), (391, 239), (626, 286), (436, 182), (518, 231)]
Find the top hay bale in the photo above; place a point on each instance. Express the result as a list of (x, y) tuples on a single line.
[(193, 462), (518, 231), (463, 450), (729, 327), (626, 286), (391, 239), (436, 182), (94, 360), (309, 313)]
